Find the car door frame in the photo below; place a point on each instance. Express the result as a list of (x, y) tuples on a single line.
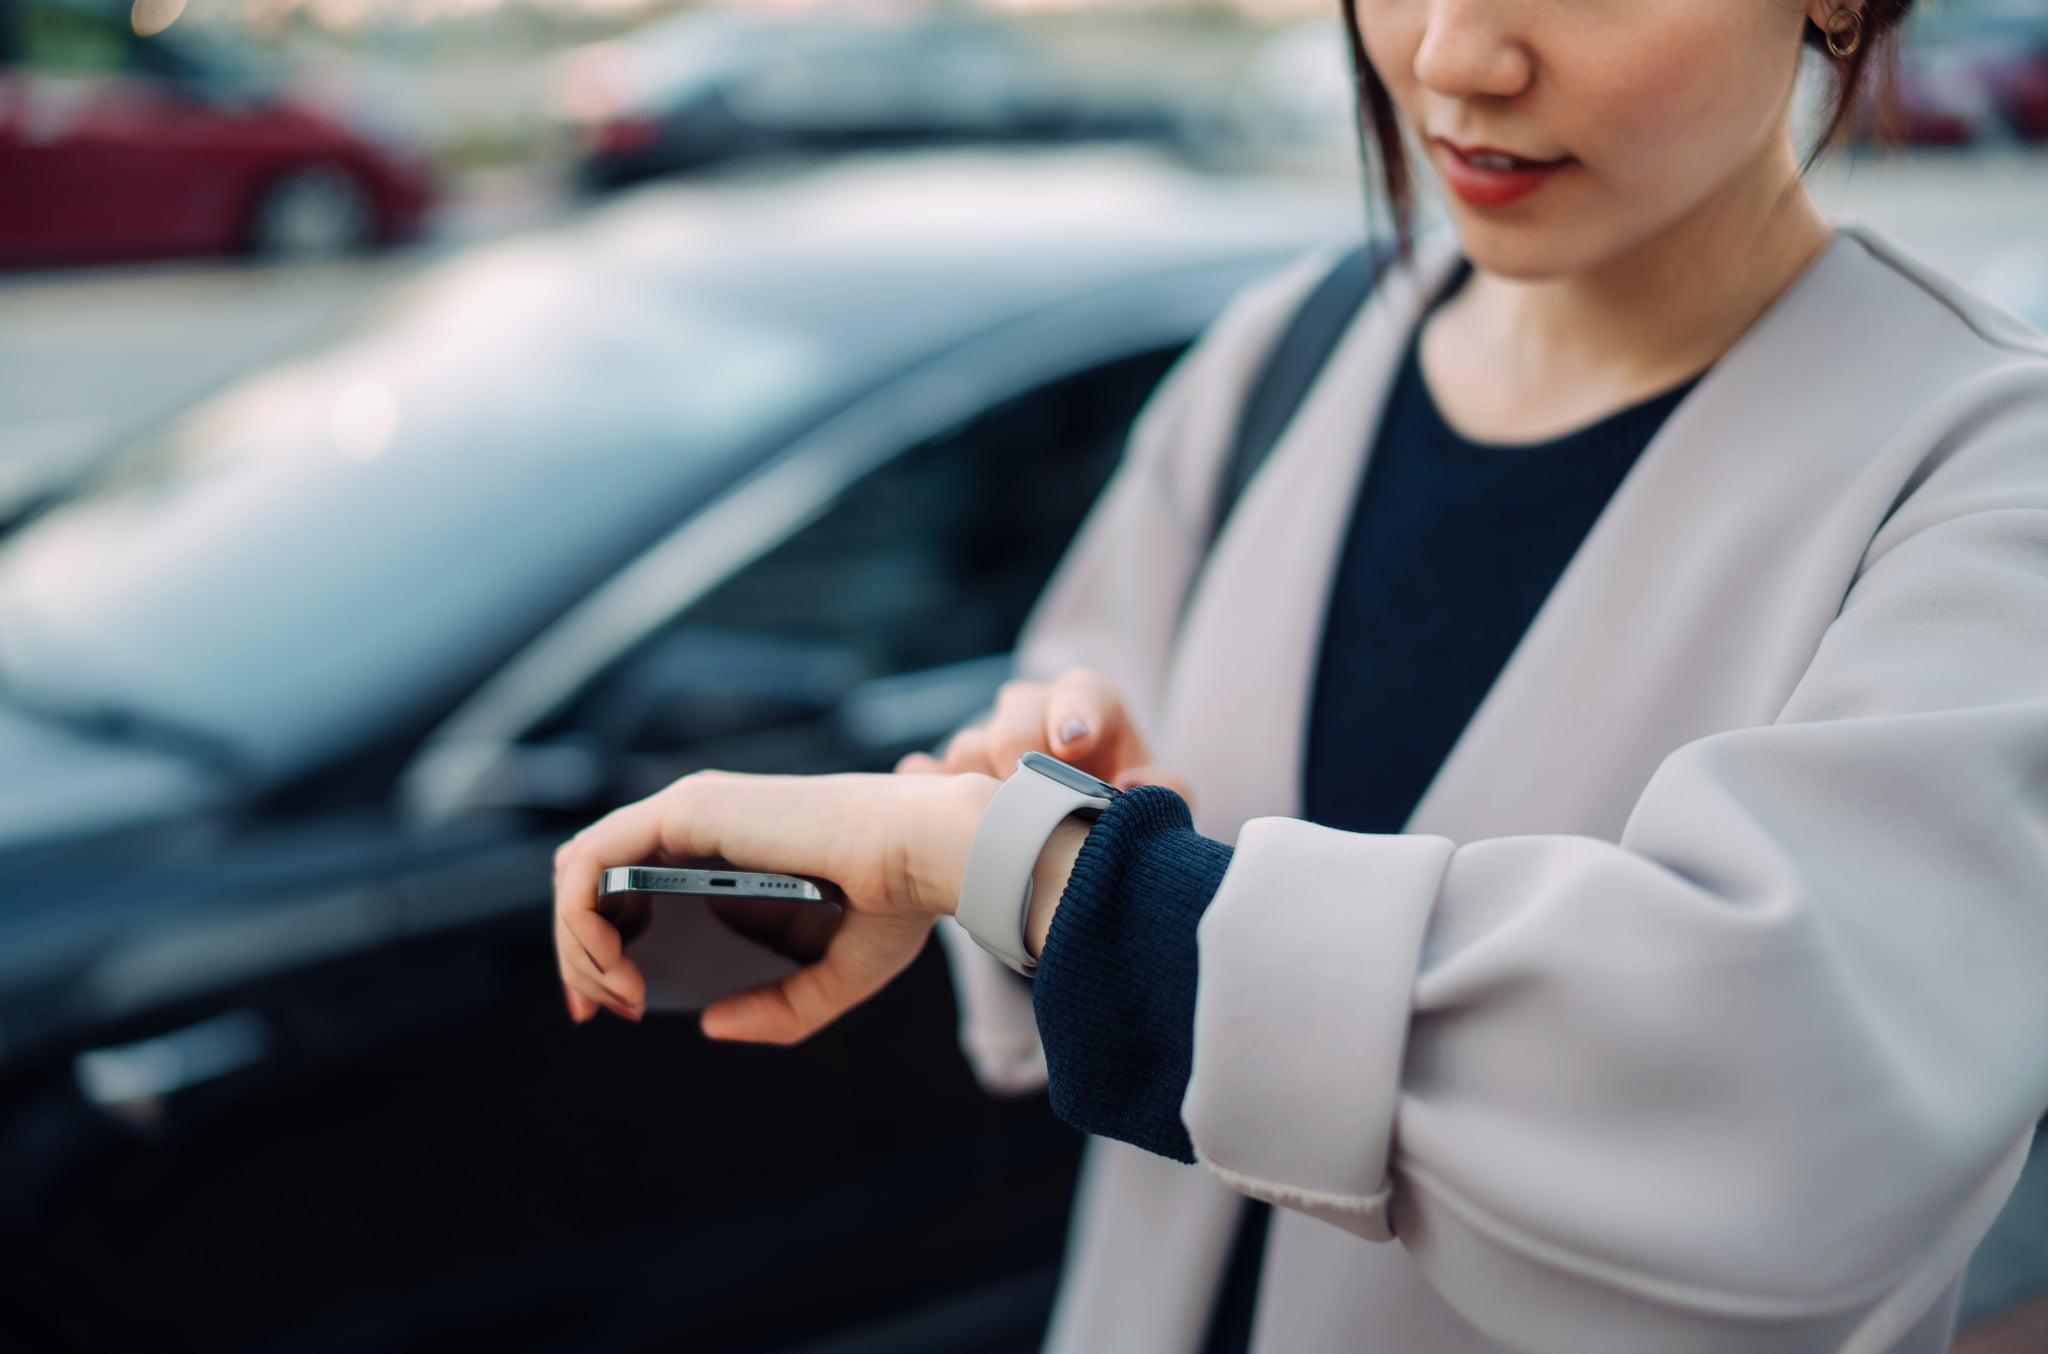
[(474, 743)]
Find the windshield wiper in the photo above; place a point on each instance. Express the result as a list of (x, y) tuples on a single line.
[(127, 726)]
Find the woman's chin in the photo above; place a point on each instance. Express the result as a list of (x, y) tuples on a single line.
[(1527, 251)]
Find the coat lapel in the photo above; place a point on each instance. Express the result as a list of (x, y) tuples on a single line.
[(1692, 605), (1238, 686), (1699, 595)]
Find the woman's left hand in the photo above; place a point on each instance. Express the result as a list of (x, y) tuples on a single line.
[(895, 845)]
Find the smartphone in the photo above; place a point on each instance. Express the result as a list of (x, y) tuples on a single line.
[(701, 934)]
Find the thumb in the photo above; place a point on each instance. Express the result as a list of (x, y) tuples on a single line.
[(866, 952)]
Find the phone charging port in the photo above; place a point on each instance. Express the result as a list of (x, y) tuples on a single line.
[(725, 883)]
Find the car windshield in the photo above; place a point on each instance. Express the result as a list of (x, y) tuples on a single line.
[(342, 537)]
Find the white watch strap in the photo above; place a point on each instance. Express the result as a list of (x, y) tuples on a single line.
[(995, 891)]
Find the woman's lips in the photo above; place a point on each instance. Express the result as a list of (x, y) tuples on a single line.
[(1484, 185)]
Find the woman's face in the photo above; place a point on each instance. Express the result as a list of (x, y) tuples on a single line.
[(1665, 109)]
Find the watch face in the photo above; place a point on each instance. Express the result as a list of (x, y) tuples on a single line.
[(1052, 768)]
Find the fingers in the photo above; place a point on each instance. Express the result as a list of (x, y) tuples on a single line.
[(968, 752), (588, 948), (1080, 708), (582, 1005), (866, 952), (581, 1008), (781, 823), (858, 831), (1016, 727), (785, 1012), (596, 938), (704, 816), (1088, 725), (919, 764), (618, 984), (1156, 775), (1079, 717)]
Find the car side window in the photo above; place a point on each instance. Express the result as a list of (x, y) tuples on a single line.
[(937, 556), (933, 558)]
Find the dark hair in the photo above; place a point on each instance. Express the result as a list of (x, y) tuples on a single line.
[(1870, 64)]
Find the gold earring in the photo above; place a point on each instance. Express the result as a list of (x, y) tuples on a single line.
[(1845, 20)]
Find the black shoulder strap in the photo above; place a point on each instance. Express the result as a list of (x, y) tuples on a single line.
[(1292, 366)]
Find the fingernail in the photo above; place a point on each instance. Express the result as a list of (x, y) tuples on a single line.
[(1073, 729)]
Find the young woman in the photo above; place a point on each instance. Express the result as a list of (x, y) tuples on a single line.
[(1615, 914)]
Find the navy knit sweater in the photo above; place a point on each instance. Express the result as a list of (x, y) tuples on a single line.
[(1452, 547)]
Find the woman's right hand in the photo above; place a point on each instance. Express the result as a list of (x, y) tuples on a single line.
[(1078, 717)]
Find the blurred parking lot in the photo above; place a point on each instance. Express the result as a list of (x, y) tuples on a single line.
[(502, 410), (90, 358)]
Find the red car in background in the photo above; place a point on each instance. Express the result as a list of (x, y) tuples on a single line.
[(116, 145)]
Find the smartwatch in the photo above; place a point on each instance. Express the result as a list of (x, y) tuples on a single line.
[(995, 892)]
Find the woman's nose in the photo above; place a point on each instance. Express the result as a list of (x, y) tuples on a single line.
[(1469, 50)]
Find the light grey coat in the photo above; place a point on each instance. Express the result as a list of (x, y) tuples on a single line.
[(1703, 1003)]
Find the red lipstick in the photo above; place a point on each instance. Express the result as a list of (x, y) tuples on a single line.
[(1485, 176)]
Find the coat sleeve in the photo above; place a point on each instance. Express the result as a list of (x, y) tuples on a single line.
[(1724, 1083), (1113, 603)]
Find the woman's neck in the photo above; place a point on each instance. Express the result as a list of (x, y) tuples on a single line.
[(1520, 359)]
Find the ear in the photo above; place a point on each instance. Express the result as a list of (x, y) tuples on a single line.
[(1838, 17)]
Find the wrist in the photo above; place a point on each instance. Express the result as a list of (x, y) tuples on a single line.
[(1049, 879), (945, 830)]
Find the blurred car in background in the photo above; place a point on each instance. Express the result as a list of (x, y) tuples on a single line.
[(119, 145), (712, 86), (1968, 74), (295, 707)]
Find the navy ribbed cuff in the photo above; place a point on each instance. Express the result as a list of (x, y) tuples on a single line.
[(1114, 991)]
